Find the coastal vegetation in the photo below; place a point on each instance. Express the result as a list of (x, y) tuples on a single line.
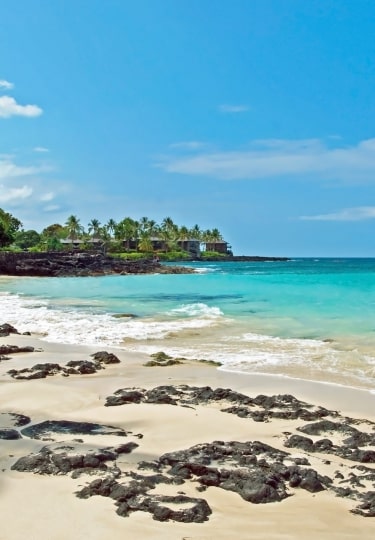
[(130, 238)]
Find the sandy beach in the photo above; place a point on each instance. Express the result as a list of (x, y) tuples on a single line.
[(45, 507)]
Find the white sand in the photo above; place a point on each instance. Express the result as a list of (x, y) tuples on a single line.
[(45, 508)]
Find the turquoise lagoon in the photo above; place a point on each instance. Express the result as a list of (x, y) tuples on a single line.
[(304, 318)]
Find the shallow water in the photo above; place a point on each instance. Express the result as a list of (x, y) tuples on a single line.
[(305, 318)]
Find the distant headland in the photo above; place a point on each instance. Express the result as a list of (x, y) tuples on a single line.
[(128, 246)]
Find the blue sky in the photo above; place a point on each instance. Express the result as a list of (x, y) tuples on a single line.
[(253, 116)]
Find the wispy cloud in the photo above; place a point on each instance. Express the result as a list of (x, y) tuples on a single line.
[(6, 85), (9, 169), (188, 145), (226, 108), (40, 149), (276, 158), (9, 107), (47, 196), (9, 194), (359, 213)]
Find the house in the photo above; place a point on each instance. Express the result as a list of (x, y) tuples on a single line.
[(220, 246), (77, 243), (190, 245)]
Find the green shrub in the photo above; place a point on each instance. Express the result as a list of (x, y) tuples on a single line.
[(209, 254)]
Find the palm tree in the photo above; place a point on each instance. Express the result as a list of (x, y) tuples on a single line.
[(94, 227), (73, 227), (168, 232), (183, 233), (196, 232), (111, 226), (145, 243), (126, 230), (105, 238), (216, 235)]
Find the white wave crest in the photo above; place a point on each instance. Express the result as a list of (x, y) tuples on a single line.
[(197, 310), (85, 327)]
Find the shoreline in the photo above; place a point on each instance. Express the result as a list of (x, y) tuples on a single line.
[(239, 380), (166, 428)]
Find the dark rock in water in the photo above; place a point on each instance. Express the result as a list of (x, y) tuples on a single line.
[(9, 434), (37, 431), (6, 329)]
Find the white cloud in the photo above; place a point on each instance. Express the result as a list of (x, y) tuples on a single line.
[(8, 169), (359, 213), (9, 107), (41, 149), (233, 108), (14, 194), (274, 158), (6, 84), (47, 196)]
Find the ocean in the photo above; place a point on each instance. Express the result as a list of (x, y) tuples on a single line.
[(309, 319)]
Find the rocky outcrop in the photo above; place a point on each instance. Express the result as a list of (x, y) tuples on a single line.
[(260, 409), (61, 264), (9, 434), (64, 461), (10, 420), (73, 367), (65, 427), (13, 349), (257, 472), (7, 329)]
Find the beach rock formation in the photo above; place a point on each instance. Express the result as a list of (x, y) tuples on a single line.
[(260, 409), (8, 434), (11, 419), (257, 472), (62, 264), (73, 367), (65, 459), (133, 496), (66, 427), (8, 423), (13, 349), (351, 447), (7, 329)]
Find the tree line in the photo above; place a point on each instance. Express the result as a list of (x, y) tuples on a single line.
[(127, 233)]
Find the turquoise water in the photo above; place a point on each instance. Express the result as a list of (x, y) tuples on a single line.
[(306, 318)]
